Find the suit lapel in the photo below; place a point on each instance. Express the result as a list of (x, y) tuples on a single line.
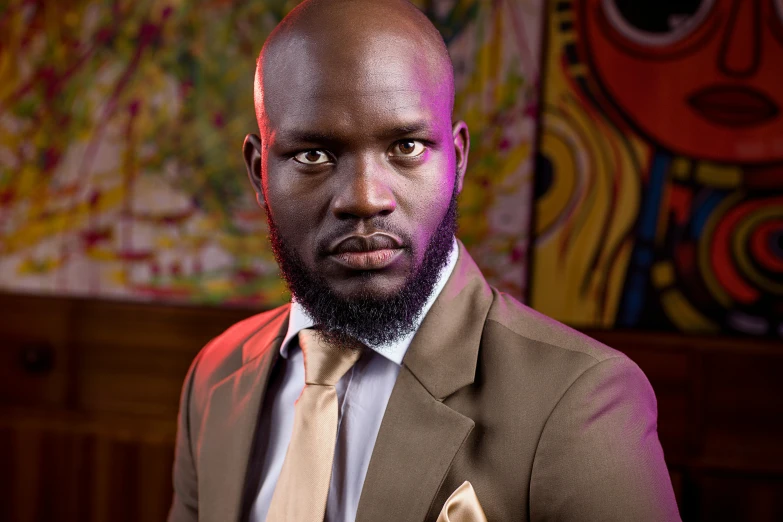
[(230, 423), (417, 441), (419, 434)]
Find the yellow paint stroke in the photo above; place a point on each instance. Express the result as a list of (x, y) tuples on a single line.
[(663, 274), (553, 203), (681, 168), (615, 281), (718, 176), (101, 254), (683, 314), (513, 161), (38, 266), (705, 242), (36, 229)]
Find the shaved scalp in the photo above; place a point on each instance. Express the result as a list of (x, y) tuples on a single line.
[(353, 83), (350, 27)]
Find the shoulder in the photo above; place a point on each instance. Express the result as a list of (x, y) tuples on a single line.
[(227, 352), (522, 322), (536, 344)]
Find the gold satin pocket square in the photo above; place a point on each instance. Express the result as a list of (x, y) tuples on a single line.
[(462, 506)]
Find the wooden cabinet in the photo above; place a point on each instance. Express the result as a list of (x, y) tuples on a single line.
[(67, 466), (89, 392)]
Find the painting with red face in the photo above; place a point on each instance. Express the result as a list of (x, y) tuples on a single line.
[(660, 174)]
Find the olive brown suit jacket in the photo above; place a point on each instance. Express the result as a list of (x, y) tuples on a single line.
[(545, 423)]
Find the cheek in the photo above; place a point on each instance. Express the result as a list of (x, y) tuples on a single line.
[(289, 206), (431, 204)]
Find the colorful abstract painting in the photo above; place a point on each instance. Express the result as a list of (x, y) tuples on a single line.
[(121, 125), (659, 191)]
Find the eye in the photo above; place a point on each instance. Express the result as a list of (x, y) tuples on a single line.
[(656, 23), (312, 157), (408, 148)]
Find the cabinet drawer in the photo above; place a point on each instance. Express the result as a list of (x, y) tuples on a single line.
[(34, 359), (131, 379)]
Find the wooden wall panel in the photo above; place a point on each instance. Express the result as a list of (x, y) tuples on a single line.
[(33, 330), (65, 471), (88, 435), (720, 420)]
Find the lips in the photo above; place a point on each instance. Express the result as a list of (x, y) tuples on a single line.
[(733, 106), (371, 252)]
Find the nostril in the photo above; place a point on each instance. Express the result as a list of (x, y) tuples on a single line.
[(740, 51)]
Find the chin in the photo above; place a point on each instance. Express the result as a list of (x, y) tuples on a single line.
[(372, 285)]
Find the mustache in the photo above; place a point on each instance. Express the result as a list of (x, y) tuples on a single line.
[(362, 238)]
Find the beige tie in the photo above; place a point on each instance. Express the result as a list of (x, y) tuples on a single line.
[(303, 486)]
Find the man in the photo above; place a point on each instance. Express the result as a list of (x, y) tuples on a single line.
[(427, 378)]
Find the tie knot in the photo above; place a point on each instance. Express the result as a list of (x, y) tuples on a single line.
[(325, 363)]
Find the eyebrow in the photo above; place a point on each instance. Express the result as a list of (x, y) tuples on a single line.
[(327, 137), (296, 136), (409, 128)]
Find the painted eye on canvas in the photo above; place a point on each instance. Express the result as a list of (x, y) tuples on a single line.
[(657, 23)]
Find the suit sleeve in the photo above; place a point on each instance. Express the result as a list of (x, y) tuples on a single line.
[(184, 506), (599, 457)]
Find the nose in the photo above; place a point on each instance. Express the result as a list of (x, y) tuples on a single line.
[(740, 50), (364, 191)]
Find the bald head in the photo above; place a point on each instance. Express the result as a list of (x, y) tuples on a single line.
[(358, 162), (353, 42)]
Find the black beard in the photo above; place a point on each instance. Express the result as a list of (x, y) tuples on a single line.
[(373, 320)]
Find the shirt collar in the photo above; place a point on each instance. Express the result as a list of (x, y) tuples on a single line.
[(299, 320)]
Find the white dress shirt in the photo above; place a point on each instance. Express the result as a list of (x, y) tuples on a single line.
[(362, 395)]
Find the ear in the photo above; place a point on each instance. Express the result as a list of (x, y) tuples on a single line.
[(461, 148), (251, 150)]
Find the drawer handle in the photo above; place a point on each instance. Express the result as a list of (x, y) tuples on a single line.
[(37, 358)]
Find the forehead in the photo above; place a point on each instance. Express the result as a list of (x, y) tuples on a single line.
[(353, 86)]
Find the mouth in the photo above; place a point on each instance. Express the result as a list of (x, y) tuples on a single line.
[(733, 106), (371, 252)]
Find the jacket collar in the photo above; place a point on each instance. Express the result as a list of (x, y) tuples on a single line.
[(444, 351), (228, 451)]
